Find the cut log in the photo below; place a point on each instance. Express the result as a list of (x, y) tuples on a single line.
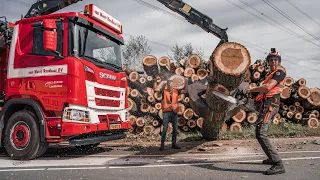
[(132, 106), (285, 107), (188, 113), (140, 122), (277, 116), (224, 127), (315, 112), (153, 111), (145, 107), (261, 69), (181, 97), (135, 95), (256, 76), (253, 67), (194, 78), (275, 121), (297, 104), (292, 108), (236, 127), (178, 81), (151, 99), (132, 119), (148, 129), (186, 100), (252, 118), (180, 71), (194, 61), (134, 77), (172, 67), (286, 93), (313, 123), (297, 117), (202, 74), (185, 128), (191, 123), (158, 79), (139, 130), (158, 106), (290, 115), (263, 63), (301, 82), (288, 81), (150, 91), (158, 96), (188, 72), (300, 109), (150, 65), (283, 112), (160, 114), (155, 123), (314, 98), (182, 62), (200, 122), (182, 108), (164, 63), (240, 116), (304, 92), (252, 85), (181, 121)]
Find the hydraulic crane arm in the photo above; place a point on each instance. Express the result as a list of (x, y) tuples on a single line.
[(195, 17), (44, 7)]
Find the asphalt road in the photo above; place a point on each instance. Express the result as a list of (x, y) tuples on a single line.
[(132, 163)]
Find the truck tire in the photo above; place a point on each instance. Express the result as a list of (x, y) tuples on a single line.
[(22, 139)]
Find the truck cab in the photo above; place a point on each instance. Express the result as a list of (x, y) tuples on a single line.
[(63, 81)]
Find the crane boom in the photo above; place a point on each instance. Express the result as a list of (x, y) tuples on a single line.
[(44, 7), (195, 17)]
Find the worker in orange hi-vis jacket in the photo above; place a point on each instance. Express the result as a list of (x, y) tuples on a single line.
[(170, 108), (269, 102)]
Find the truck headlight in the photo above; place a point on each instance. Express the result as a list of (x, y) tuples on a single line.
[(76, 115)]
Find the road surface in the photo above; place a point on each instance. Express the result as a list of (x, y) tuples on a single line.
[(223, 160)]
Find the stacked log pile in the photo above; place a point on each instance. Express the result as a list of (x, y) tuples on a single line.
[(144, 104), (299, 104)]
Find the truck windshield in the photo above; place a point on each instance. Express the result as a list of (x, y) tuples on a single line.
[(99, 48)]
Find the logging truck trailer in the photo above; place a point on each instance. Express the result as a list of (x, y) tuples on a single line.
[(61, 79)]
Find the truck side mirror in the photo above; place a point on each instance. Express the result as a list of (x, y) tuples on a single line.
[(50, 35)]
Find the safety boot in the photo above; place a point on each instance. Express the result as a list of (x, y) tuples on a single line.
[(276, 168)]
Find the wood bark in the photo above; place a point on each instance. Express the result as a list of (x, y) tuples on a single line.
[(164, 64), (150, 65)]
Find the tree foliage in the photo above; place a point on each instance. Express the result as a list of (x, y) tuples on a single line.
[(133, 51), (179, 52)]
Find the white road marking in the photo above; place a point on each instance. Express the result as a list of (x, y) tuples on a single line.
[(285, 159), (11, 170), (75, 168)]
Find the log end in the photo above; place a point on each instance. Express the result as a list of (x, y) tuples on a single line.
[(194, 61), (314, 98), (288, 81), (313, 123), (304, 92), (286, 93), (232, 58), (149, 60)]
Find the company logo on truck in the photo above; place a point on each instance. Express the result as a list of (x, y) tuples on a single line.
[(107, 76)]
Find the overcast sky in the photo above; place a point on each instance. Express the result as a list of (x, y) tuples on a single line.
[(301, 58)]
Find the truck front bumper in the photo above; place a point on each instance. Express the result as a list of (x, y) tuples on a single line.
[(80, 141)]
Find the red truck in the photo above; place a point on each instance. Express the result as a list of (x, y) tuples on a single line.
[(61, 79)]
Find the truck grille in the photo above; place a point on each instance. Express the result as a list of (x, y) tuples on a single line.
[(107, 102), (106, 92)]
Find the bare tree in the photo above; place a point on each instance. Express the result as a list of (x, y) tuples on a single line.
[(183, 52), (133, 51)]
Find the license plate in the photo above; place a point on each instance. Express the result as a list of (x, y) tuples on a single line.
[(115, 126)]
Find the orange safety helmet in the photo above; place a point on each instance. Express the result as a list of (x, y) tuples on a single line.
[(274, 53)]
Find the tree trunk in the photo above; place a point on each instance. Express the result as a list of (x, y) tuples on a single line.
[(150, 65), (178, 81)]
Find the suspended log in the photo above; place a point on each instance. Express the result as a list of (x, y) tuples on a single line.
[(252, 118), (240, 116), (180, 71), (194, 61), (191, 123), (236, 127), (213, 100), (188, 113), (188, 72), (288, 81), (164, 63), (200, 122), (202, 74), (150, 65)]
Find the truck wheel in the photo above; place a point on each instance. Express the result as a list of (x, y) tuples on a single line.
[(22, 139), (42, 149)]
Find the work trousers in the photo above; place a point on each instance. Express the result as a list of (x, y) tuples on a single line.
[(267, 112), (173, 118)]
